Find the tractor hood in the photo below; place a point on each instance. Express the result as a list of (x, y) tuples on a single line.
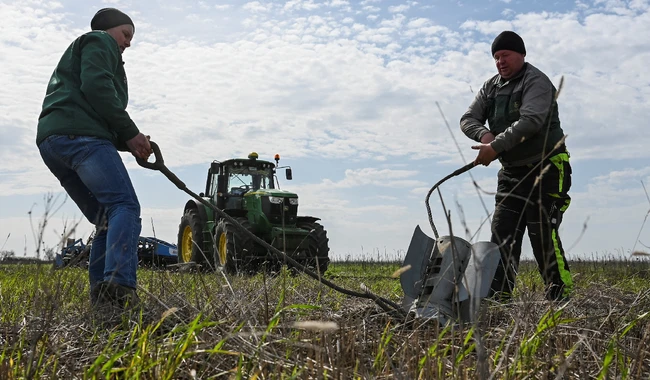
[(271, 193)]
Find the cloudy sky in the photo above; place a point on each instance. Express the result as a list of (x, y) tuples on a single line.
[(347, 92)]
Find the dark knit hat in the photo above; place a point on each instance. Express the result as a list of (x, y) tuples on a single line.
[(508, 40), (107, 18)]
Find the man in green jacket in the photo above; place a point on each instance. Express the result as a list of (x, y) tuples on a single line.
[(532, 193), (82, 125)]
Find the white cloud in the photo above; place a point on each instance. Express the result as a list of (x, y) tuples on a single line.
[(256, 6), (53, 5), (307, 5), (193, 17), (418, 23), (371, 8), (618, 177), (339, 3), (395, 22), (315, 83), (376, 177), (398, 8)]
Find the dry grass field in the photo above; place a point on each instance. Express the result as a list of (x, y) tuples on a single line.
[(207, 325)]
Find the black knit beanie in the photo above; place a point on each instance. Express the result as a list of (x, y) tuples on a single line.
[(508, 40), (107, 18)]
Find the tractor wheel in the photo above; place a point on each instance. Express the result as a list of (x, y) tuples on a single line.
[(234, 249), (190, 239), (317, 247)]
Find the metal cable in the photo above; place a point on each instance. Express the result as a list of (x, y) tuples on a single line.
[(159, 165), (426, 200)]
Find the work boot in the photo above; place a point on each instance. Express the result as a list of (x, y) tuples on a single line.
[(557, 293), (114, 305), (111, 298), (124, 297), (98, 294), (104, 310)]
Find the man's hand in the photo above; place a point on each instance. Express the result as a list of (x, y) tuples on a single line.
[(485, 154), (139, 146)]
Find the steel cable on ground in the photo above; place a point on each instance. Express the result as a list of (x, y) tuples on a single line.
[(159, 165)]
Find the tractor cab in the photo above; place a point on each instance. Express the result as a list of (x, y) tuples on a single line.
[(229, 181)]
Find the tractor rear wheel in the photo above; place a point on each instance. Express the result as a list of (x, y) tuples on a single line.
[(235, 250), (190, 238), (317, 247)]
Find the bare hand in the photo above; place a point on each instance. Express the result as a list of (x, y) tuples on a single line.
[(139, 146), (485, 154)]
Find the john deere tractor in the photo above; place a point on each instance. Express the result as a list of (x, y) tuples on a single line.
[(246, 190)]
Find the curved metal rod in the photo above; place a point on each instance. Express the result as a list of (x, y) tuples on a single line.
[(426, 200)]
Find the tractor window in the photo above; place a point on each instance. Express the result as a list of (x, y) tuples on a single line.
[(244, 179), (213, 186)]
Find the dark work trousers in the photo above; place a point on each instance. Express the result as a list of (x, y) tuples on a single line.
[(534, 199)]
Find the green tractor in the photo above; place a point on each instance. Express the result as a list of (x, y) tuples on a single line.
[(246, 190)]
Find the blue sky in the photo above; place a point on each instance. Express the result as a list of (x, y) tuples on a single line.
[(346, 93)]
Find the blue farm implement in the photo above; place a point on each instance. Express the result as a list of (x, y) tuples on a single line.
[(151, 251)]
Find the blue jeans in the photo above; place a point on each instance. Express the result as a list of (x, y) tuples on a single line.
[(93, 174)]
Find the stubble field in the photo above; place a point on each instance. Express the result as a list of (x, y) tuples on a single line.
[(207, 325)]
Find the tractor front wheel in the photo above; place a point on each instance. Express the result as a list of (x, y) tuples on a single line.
[(317, 252), (190, 238), (234, 249)]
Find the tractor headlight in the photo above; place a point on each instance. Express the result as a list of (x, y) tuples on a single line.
[(276, 200), (293, 201)]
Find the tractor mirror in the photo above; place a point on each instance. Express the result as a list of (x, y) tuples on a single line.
[(288, 174), (214, 168)]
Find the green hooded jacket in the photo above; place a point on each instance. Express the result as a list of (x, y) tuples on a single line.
[(87, 94)]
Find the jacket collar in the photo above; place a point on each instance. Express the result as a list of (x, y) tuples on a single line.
[(500, 82)]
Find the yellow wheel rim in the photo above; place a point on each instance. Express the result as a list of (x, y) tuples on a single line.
[(186, 246), (222, 249)]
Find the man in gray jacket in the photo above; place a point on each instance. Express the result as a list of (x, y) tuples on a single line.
[(525, 135)]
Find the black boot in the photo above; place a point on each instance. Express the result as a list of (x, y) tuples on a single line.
[(124, 297), (106, 295)]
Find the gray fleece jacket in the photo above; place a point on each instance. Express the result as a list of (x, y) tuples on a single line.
[(521, 113)]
